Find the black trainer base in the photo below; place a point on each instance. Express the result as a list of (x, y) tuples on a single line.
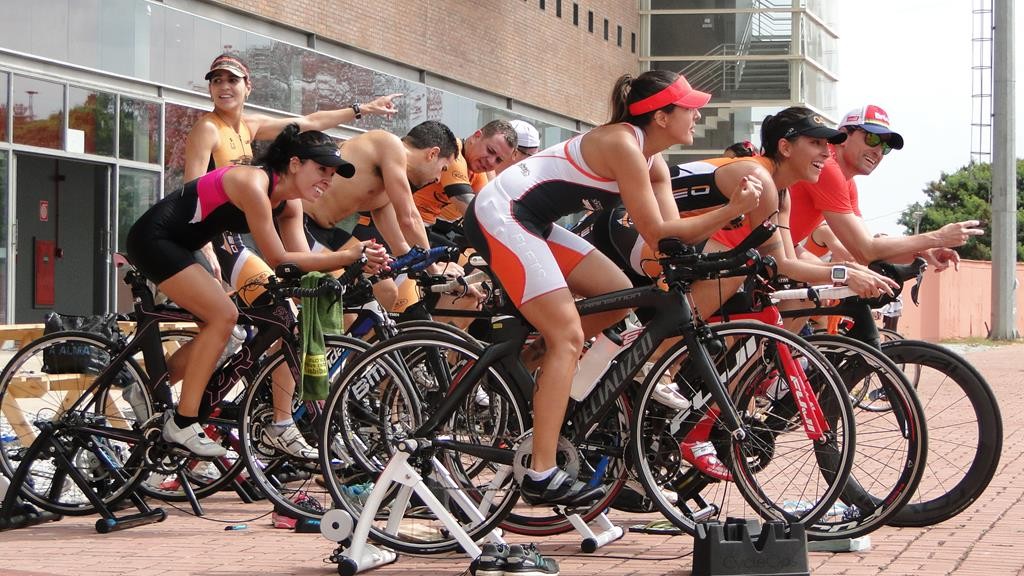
[(23, 515), (743, 548)]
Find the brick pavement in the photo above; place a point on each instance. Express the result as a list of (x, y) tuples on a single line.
[(983, 540)]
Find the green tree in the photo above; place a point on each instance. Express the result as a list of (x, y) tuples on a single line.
[(965, 195)]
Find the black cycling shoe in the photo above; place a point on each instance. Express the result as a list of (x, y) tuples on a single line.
[(559, 488)]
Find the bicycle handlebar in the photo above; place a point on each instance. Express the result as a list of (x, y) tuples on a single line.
[(742, 260), (327, 286), (898, 272), (452, 284), (418, 260), (813, 293)]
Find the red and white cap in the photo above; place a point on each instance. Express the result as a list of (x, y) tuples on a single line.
[(872, 119)]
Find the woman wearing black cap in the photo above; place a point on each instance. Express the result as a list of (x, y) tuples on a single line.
[(794, 145), (250, 199)]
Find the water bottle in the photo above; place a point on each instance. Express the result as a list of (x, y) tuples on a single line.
[(593, 365), (235, 341)]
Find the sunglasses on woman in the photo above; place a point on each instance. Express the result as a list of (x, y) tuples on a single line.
[(874, 140)]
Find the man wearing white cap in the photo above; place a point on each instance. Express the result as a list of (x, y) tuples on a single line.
[(833, 199), (528, 143)]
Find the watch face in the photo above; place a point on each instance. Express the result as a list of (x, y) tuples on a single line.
[(838, 274)]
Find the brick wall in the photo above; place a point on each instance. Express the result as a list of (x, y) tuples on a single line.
[(509, 47), (957, 304)]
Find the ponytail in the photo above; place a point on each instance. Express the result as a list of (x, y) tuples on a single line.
[(628, 90), (620, 95), (290, 142)]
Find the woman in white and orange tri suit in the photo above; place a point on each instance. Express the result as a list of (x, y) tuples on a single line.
[(542, 265)]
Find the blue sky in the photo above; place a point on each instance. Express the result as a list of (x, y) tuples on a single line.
[(913, 58)]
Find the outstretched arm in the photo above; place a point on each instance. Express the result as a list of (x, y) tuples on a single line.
[(267, 128), (853, 233)]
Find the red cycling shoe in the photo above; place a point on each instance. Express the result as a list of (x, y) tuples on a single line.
[(700, 453)]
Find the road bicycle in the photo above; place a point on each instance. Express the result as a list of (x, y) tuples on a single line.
[(965, 430), (616, 429), (93, 431)]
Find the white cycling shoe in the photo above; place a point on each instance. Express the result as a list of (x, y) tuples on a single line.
[(667, 393), (193, 439), (291, 442)]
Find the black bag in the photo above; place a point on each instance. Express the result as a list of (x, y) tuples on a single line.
[(75, 358)]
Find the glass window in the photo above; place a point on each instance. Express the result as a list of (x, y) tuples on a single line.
[(4, 80), (820, 45), (38, 108), (91, 121), (84, 29), (49, 24), (818, 90), (181, 66), (140, 131), (179, 120), (3, 237), (137, 191)]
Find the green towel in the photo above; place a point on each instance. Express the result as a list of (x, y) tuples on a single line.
[(319, 316)]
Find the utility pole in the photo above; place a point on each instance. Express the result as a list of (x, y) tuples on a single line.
[(1004, 175)]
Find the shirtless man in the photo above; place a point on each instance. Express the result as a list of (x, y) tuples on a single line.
[(387, 169)]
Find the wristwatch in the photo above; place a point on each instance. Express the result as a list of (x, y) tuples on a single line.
[(839, 275), (355, 108)]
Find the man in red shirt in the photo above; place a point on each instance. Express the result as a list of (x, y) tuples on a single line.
[(833, 199)]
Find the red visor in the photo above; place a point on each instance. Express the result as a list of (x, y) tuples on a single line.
[(679, 93)]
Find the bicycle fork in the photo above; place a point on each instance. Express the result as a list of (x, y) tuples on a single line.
[(696, 342), (811, 415)]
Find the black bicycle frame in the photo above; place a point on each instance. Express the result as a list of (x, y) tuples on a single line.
[(272, 322), (674, 317)]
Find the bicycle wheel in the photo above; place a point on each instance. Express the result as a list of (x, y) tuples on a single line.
[(780, 471), (49, 381), (205, 477), (912, 371), (376, 402), (293, 485), (891, 440), (965, 432), (889, 335)]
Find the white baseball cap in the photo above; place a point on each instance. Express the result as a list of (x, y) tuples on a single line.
[(528, 135)]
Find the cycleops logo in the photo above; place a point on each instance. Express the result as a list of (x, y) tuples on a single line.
[(524, 169), (817, 119), (624, 364)]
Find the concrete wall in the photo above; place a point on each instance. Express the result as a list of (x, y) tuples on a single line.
[(510, 47), (957, 304)]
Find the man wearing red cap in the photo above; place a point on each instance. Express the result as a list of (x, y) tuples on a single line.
[(833, 199)]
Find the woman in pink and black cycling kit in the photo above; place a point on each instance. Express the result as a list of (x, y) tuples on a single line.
[(542, 265), (237, 199)]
